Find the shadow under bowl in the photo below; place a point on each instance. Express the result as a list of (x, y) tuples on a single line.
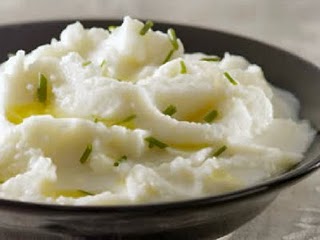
[(204, 218)]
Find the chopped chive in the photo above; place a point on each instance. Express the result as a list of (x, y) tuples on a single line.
[(155, 142), (211, 59), (86, 153), (120, 160), (211, 116), (183, 68), (219, 151), (42, 89), (146, 27), (127, 119), (84, 64), (227, 75), (103, 63), (173, 38), (168, 56), (170, 110), (112, 28), (85, 192), (95, 118)]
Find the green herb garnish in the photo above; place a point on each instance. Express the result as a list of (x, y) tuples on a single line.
[(211, 116), (211, 59), (173, 38), (168, 56), (219, 151), (227, 75), (42, 89), (112, 28), (127, 119), (120, 160), (183, 68), (84, 64), (95, 120), (146, 27), (85, 192), (86, 154), (103, 63), (170, 110), (155, 142)]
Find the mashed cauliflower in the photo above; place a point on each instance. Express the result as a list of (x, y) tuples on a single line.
[(125, 117)]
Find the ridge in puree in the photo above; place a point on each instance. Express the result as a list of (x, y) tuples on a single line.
[(124, 116)]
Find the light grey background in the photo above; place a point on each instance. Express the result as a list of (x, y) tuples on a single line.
[(291, 24)]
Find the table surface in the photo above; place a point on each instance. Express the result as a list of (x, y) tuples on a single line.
[(290, 24)]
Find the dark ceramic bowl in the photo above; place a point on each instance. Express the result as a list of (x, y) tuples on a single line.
[(205, 218)]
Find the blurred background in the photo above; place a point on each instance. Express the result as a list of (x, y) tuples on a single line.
[(290, 24)]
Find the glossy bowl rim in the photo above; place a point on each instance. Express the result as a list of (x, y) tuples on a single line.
[(277, 182)]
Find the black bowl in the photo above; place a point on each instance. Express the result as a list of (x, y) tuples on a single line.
[(205, 218)]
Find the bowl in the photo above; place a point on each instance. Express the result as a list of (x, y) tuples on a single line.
[(202, 218)]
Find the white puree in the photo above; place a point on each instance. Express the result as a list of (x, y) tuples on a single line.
[(41, 144)]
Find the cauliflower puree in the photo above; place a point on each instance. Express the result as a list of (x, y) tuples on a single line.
[(124, 116)]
